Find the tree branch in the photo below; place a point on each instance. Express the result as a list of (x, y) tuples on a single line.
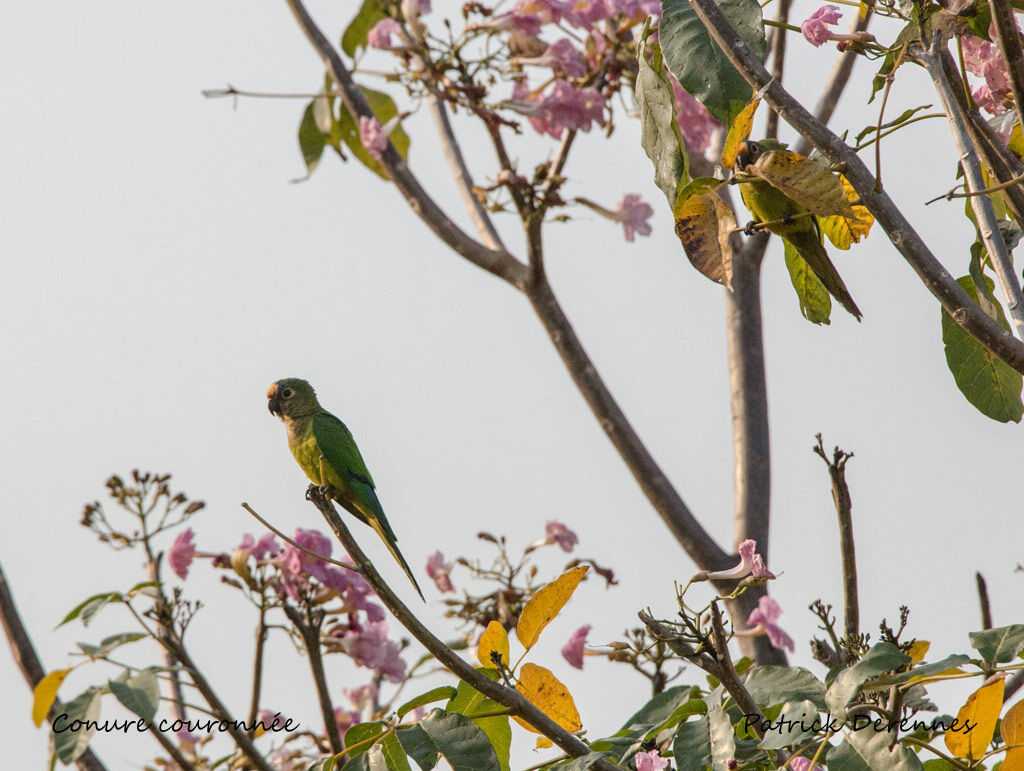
[(935, 277), (309, 630), (508, 697), (497, 261), (778, 61), (984, 213), (694, 539), (1005, 23), (844, 509), (27, 660)]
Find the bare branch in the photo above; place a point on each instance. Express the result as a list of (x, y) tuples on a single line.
[(844, 509), (508, 697), (935, 277), (25, 657), (982, 205), (309, 630), (778, 61), (1005, 22), (497, 261)]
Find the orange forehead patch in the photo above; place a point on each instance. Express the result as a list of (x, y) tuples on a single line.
[(272, 391)]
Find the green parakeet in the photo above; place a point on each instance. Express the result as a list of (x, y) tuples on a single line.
[(315, 434), (768, 203)]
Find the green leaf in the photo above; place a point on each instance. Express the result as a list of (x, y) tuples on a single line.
[(469, 702), (658, 709), (435, 694), (88, 608), (464, 745), (419, 746), (393, 754), (882, 658), (582, 763), (786, 728), (894, 57), (699, 64), (989, 383), (815, 303), (723, 745), (85, 707), (139, 693), (692, 744), (868, 750), (384, 109), (924, 670), (659, 132), (986, 300), (312, 140), (770, 685), (366, 19), (1000, 645), (143, 585), (357, 738)]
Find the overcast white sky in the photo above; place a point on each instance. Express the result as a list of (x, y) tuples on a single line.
[(160, 271)]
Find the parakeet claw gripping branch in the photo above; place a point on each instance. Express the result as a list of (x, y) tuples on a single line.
[(326, 451)]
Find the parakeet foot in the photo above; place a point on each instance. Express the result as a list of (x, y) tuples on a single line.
[(750, 228)]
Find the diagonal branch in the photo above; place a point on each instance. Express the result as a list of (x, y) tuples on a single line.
[(24, 654), (507, 697), (497, 261), (1009, 44), (981, 204), (901, 233)]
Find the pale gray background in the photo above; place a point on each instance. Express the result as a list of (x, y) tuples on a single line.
[(159, 272)]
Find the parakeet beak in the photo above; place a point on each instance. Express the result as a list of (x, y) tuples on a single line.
[(272, 401), (744, 156)]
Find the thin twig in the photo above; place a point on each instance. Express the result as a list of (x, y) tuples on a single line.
[(778, 61), (300, 547), (496, 261), (27, 660), (994, 189), (309, 630), (844, 510), (986, 608), (935, 277), (982, 205), (508, 697), (257, 666)]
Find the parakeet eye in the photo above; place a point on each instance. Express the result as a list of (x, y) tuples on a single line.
[(287, 393)]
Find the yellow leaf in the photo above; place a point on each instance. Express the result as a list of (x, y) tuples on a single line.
[(703, 224), (844, 231), (981, 711), (546, 693), (543, 743), (918, 650), (46, 694), (493, 646), (808, 183), (545, 604), (1012, 730), (739, 133)]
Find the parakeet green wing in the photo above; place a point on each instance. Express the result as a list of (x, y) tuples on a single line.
[(341, 453)]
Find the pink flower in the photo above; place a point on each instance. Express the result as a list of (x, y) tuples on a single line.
[(370, 647), (586, 13), (572, 651), (549, 11), (762, 621), (412, 9), (185, 736), (814, 28), (524, 22), (984, 59), (800, 763), (440, 572), (751, 563), (649, 761), (561, 57), (266, 546), (380, 35), (270, 719), (633, 212), (697, 124), (362, 697), (183, 550), (371, 134), (631, 8), (556, 532), (564, 106), (345, 718)]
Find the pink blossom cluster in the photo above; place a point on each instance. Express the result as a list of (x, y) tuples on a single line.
[(586, 13), (815, 27), (985, 60), (698, 126), (562, 107), (369, 646)]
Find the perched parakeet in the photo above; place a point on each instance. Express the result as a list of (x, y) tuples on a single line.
[(315, 434), (768, 203)]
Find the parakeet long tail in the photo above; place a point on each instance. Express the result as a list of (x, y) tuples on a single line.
[(809, 246)]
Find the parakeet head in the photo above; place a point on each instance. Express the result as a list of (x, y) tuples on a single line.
[(747, 154), (292, 397)]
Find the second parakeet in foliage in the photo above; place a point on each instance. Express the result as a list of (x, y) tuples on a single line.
[(768, 203), (315, 434)]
